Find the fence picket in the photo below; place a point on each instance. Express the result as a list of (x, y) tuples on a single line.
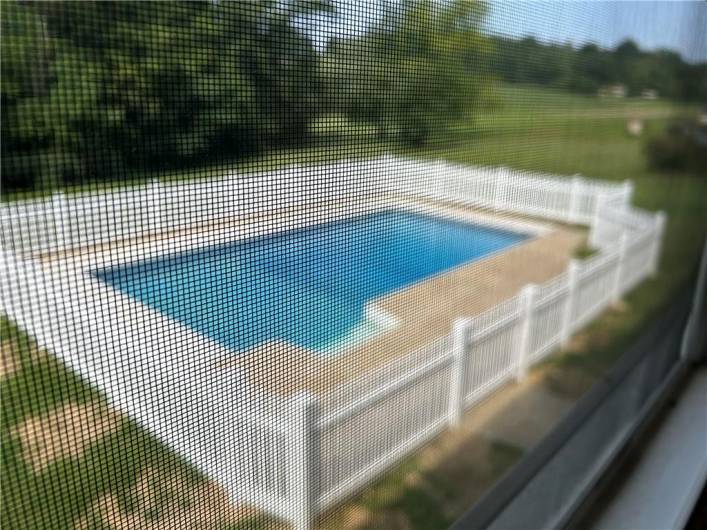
[(304, 459), (460, 332), (617, 290), (568, 320), (525, 341), (573, 213)]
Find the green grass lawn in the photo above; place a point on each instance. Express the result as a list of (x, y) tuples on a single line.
[(530, 128), (65, 490), (61, 493)]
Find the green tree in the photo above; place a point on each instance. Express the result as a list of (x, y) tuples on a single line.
[(109, 89), (413, 73), (25, 131)]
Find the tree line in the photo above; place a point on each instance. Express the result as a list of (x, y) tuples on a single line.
[(95, 90), (589, 68), (105, 90)]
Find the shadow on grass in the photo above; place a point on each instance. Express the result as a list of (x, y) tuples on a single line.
[(421, 497), (60, 494)]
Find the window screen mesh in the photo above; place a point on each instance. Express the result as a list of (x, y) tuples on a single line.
[(320, 264)]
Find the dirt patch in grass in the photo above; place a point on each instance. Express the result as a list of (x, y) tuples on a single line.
[(573, 372), (429, 491), (16, 349), (588, 354), (159, 502), (64, 432), (9, 359), (569, 382)]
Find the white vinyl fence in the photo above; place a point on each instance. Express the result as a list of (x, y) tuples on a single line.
[(68, 221), (299, 458)]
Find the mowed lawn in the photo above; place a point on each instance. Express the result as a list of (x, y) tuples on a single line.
[(69, 461), (107, 472)]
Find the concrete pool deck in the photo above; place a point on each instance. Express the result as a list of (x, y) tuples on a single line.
[(425, 311)]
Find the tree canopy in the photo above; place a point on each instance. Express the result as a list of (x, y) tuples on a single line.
[(418, 57), (104, 90), (100, 88)]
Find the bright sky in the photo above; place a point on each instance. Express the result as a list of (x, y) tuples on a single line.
[(676, 25)]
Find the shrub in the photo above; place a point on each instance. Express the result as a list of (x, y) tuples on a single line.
[(681, 147)]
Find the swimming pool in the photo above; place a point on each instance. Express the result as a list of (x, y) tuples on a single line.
[(309, 286)]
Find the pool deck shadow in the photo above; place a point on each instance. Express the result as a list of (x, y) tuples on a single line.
[(425, 311)]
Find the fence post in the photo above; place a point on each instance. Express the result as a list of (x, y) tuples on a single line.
[(572, 214), (628, 192), (460, 334), (500, 172), (527, 301), (620, 266), (596, 220), (658, 231), (154, 205), (303, 468), (572, 280), (60, 218)]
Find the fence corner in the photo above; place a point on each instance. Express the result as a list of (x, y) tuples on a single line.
[(573, 269)]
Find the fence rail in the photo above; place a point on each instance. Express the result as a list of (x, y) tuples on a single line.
[(297, 460), (67, 221)]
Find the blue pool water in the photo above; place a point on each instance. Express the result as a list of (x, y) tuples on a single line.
[(308, 286)]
